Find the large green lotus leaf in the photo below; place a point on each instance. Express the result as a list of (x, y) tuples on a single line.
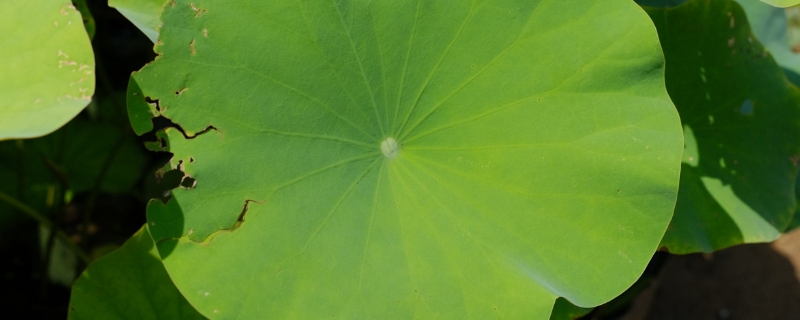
[(782, 3), (142, 13), (740, 123), (129, 283), (374, 159), (47, 67)]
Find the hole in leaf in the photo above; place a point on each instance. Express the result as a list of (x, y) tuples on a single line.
[(188, 182), (153, 102)]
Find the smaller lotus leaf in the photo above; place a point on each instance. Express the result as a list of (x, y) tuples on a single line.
[(88, 19), (47, 67), (742, 137), (129, 283)]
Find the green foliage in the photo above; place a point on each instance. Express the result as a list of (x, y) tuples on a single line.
[(64, 176), (129, 283), (142, 13), (770, 27), (739, 114), (81, 156), (409, 159), (139, 110), (520, 167), (86, 15), (97, 147), (563, 310), (782, 3), (47, 67), (659, 3)]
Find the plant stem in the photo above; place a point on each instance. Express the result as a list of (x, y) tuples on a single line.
[(47, 223)]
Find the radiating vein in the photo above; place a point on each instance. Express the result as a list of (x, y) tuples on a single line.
[(539, 278), (469, 80), (289, 133), (316, 137), (434, 70), (361, 67), (404, 233), (449, 258), (383, 68), (326, 168), (381, 172), (405, 70), (329, 214), (315, 100), (477, 117)]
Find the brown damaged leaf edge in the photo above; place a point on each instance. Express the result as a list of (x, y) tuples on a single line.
[(187, 181), (207, 241), (172, 124)]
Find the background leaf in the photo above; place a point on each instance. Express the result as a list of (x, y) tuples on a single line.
[(770, 26), (129, 283), (48, 67), (738, 111)]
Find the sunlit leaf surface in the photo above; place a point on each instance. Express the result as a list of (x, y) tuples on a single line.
[(374, 159), (47, 67)]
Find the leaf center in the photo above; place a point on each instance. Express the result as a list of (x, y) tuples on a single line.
[(389, 148)]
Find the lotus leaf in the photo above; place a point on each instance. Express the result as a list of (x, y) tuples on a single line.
[(129, 283), (47, 67), (770, 27), (411, 159), (742, 140)]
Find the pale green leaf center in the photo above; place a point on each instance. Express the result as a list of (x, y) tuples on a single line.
[(389, 148)]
